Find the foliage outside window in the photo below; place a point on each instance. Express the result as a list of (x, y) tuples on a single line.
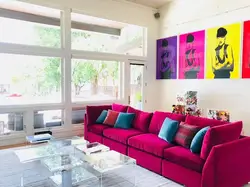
[(95, 80)]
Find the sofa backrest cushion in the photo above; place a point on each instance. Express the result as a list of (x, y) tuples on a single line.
[(203, 122), (93, 112), (142, 119), (220, 135), (119, 108), (158, 119)]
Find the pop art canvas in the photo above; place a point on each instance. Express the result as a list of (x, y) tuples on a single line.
[(246, 51), (166, 67), (223, 52), (191, 55)]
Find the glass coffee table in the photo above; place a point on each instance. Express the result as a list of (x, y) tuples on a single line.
[(73, 162)]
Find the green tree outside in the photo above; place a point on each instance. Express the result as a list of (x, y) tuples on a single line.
[(83, 71)]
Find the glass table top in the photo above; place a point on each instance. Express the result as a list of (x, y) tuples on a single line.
[(35, 153), (53, 148), (68, 142)]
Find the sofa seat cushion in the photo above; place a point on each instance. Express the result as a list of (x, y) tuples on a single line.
[(150, 143), (184, 157), (97, 128), (120, 135)]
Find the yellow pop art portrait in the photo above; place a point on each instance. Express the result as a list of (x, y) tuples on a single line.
[(223, 52)]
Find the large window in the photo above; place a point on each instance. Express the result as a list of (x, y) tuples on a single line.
[(95, 80), (37, 34), (29, 79), (100, 35), (29, 24), (56, 62)]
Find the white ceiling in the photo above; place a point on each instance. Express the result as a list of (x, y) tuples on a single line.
[(150, 3)]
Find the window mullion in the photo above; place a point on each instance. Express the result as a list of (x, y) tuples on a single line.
[(66, 44)]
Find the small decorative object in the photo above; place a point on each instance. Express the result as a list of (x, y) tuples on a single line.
[(194, 111), (186, 104), (191, 98), (178, 109), (221, 115), (180, 99)]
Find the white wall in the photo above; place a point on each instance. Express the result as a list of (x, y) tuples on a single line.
[(181, 16), (118, 10)]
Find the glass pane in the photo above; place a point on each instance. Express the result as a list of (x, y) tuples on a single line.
[(36, 25), (29, 79), (78, 115), (127, 40), (47, 119), (11, 122), (136, 85), (95, 80)]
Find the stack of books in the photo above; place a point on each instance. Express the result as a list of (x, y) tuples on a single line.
[(39, 138)]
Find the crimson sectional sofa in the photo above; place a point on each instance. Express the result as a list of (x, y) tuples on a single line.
[(227, 163)]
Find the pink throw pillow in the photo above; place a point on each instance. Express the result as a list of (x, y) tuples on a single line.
[(119, 107), (220, 135), (142, 119)]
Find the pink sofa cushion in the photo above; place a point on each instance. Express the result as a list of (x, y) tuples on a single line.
[(184, 157), (119, 108), (149, 143), (159, 117), (220, 135), (97, 128), (120, 135), (203, 122), (93, 112), (142, 119)]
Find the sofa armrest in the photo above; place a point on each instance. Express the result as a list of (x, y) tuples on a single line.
[(228, 165), (93, 112)]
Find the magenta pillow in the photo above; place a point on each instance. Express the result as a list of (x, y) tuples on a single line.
[(159, 117), (203, 122), (142, 119), (220, 135), (119, 107)]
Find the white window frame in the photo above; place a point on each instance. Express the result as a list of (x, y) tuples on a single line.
[(66, 54)]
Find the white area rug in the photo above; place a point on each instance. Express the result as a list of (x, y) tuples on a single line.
[(11, 171)]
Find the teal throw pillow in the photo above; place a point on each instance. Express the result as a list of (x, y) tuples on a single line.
[(168, 130), (102, 117), (124, 120), (197, 141)]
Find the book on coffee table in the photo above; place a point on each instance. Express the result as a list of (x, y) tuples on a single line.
[(39, 138), (92, 148)]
